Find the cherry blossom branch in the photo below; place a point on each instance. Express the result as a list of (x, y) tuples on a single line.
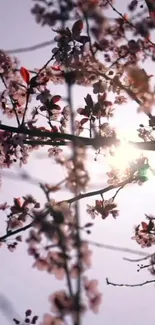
[(128, 21), (12, 101), (129, 285), (29, 89), (15, 232), (104, 190), (96, 142)]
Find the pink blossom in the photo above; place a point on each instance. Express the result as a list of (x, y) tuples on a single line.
[(90, 287), (95, 303), (86, 254), (51, 320), (61, 302)]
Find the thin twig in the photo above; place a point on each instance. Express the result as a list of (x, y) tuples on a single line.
[(15, 232), (12, 101), (118, 249), (30, 48), (129, 285), (120, 188), (138, 259)]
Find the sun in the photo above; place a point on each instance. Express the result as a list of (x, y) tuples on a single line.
[(123, 155)]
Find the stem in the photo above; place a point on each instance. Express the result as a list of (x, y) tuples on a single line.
[(129, 285), (15, 232), (12, 101)]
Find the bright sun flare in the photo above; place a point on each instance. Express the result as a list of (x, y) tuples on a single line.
[(123, 156)]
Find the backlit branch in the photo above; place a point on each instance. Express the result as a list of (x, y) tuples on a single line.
[(99, 192)]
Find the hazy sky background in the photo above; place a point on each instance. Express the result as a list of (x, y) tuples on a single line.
[(26, 287)]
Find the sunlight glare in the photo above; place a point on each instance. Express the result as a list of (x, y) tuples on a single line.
[(123, 155)]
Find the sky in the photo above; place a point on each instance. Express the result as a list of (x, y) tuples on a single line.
[(26, 287)]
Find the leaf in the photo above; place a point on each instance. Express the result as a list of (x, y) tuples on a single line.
[(18, 202), (28, 312), (89, 224), (19, 238), (25, 74), (150, 225), (89, 101), (77, 27), (144, 226), (34, 319), (84, 120), (56, 98), (56, 68)]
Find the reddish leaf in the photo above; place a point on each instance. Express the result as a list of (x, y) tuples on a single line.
[(56, 98), (54, 128), (56, 68), (98, 203), (18, 202), (144, 225), (25, 74), (77, 27), (84, 120)]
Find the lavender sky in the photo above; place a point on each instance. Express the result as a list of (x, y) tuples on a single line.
[(26, 287)]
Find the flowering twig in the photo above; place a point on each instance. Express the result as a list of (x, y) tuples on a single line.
[(99, 192), (12, 101), (128, 21)]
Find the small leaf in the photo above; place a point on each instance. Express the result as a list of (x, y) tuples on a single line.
[(18, 202), (56, 98), (89, 101), (89, 224), (150, 225), (55, 68), (25, 74), (84, 120), (144, 225), (77, 27), (16, 321), (28, 312), (19, 238), (34, 319)]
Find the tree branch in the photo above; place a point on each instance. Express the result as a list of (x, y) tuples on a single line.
[(129, 285), (99, 192), (94, 142), (15, 232)]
